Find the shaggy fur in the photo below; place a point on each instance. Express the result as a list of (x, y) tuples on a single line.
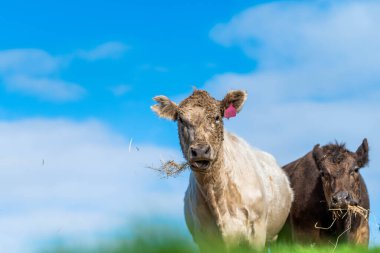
[(243, 197), (315, 178)]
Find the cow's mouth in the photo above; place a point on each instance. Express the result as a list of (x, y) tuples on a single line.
[(200, 165), (340, 206), (344, 205)]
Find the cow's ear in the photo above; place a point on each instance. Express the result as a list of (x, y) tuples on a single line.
[(165, 108), (233, 102), (362, 154), (318, 157)]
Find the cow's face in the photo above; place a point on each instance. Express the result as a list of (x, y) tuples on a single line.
[(200, 124), (339, 170)]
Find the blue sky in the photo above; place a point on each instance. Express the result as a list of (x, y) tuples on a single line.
[(77, 80), (167, 49)]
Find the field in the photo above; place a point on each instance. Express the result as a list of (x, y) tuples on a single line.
[(166, 242)]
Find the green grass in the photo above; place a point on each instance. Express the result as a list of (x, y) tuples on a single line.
[(180, 246), (164, 241)]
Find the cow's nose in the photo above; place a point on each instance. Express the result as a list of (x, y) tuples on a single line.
[(200, 151), (341, 197)]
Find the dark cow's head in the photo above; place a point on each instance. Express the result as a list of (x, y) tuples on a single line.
[(339, 169), (200, 123)]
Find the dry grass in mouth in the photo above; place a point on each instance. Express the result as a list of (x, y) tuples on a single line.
[(359, 210), (339, 213), (171, 168)]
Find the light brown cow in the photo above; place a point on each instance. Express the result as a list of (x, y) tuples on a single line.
[(236, 193)]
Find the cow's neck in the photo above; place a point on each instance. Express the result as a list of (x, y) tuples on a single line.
[(213, 186)]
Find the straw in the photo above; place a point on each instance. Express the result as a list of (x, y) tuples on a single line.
[(170, 168), (339, 213)]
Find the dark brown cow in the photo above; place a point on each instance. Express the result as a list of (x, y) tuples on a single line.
[(325, 180)]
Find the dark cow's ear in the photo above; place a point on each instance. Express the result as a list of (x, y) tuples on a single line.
[(233, 102), (362, 154), (318, 156), (165, 108), (317, 152)]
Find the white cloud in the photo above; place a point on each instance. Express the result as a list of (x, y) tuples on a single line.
[(34, 71), (315, 48), (48, 89), (111, 50), (31, 72), (76, 179), (27, 61), (317, 79), (120, 90)]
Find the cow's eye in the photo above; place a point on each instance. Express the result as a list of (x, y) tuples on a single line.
[(180, 120), (355, 170)]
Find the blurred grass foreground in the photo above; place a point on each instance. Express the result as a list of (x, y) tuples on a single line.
[(169, 241)]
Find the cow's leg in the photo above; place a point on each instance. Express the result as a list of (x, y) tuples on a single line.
[(305, 233), (259, 236)]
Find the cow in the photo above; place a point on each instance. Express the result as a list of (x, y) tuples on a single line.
[(236, 195), (326, 182)]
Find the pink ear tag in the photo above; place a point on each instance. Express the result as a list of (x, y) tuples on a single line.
[(230, 112)]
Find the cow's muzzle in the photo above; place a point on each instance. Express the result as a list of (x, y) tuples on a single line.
[(342, 199), (200, 157)]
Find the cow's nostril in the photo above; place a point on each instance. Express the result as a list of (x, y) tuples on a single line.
[(335, 199), (200, 152), (193, 152)]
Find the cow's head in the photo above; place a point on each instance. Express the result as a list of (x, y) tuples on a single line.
[(339, 169), (200, 123)]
